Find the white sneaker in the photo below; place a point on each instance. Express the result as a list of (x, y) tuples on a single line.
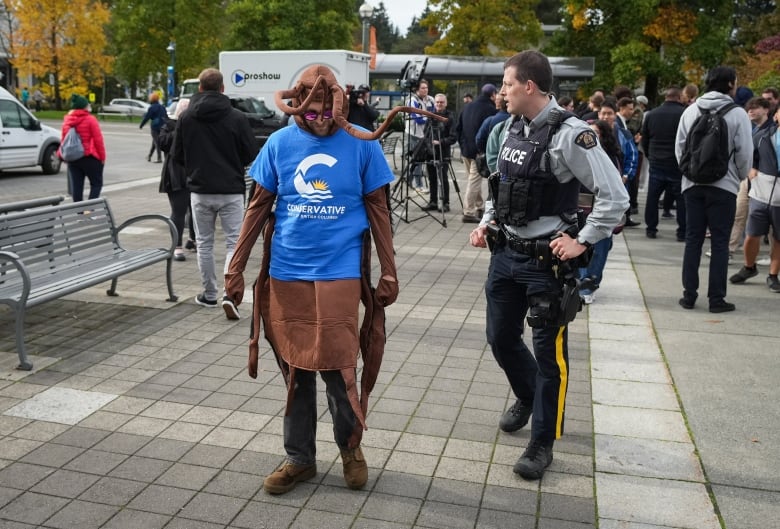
[(764, 261), (587, 299)]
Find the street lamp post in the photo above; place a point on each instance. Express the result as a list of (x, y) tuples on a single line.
[(365, 11), (172, 71)]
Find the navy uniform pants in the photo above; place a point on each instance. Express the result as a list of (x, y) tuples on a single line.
[(515, 285)]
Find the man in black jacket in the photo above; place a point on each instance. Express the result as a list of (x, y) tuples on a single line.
[(442, 137), (659, 131), (214, 142), (470, 120)]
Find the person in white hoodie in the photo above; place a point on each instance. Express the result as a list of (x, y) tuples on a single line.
[(713, 205)]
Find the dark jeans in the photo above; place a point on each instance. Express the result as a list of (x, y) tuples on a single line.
[(668, 182), (513, 287), (180, 204), (155, 144), (598, 261), (438, 172), (86, 167), (633, 184), (300, 423), (707, 206)]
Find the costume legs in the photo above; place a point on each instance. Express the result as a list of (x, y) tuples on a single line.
[(300, 423)]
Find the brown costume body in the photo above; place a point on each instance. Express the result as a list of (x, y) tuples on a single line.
[(312, 325)]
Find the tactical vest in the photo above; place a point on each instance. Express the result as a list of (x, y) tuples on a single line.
[(525, 188)]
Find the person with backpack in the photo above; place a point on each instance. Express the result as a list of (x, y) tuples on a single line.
[(714, 148), (93, 156)]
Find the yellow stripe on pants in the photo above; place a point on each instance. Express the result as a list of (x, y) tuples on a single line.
[(564, 380)]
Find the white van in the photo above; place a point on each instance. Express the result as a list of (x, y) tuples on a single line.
[(24, 141)]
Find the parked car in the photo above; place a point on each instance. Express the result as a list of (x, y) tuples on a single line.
[(132, 107), (24, 141), (262, 119)]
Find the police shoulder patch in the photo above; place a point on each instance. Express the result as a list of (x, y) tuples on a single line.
[(586, 139)]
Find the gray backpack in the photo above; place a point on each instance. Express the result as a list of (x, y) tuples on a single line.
[(72, 149)]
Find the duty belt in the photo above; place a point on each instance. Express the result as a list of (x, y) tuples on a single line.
[(539, 249)]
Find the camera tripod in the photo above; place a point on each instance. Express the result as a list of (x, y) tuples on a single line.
[(426, 152)]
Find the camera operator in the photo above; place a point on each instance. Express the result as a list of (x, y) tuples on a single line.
[(361, 112), (442, 136)]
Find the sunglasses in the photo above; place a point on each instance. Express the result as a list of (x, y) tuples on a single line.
[(312, 116)]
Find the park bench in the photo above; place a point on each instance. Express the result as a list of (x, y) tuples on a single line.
[(10, 207), (389, 141), (51, 251)]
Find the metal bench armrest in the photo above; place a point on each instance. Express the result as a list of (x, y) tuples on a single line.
[(12, 258), (140, 218)]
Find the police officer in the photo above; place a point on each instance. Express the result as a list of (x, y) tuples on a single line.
[(533, 213)]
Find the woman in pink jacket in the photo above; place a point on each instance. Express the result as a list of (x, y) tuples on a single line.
[(91, 164)]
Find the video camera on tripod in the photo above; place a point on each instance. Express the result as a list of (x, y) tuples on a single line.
[(356, 93), (411, 74)]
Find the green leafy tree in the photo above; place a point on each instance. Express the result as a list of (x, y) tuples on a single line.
[(754, 20), (485, 28), (387, 33), (650, 42), (549, 11), (282, 25), (62, 40), (417, 39), (141, 32)]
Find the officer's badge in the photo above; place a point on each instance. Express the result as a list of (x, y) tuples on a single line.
[(586, 139)]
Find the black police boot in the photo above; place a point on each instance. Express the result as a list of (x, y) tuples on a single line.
[(536, 458), (515, 417)]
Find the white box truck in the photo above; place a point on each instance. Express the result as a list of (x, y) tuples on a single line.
[(261, 73)]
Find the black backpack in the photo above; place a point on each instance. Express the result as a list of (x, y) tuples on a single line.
[(705, 157)]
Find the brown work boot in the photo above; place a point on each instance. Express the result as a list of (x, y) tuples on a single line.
[(284, 478), (355, 468)]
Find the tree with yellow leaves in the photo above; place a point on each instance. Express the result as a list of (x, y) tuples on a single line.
[(482, 28), (62, 40), (655, 43)]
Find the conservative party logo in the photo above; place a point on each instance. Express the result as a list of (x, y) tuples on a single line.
[(317, 190)]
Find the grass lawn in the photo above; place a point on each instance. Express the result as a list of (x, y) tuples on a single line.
[(57, 115)]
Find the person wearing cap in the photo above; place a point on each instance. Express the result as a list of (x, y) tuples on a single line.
[(91, 164), (361, 112), (468, 125), (551, 155)]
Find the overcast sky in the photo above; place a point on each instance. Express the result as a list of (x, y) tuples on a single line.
[(401, 12)]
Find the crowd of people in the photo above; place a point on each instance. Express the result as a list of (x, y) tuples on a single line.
[(563, 180)]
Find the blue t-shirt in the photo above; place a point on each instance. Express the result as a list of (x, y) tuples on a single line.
[(320, 215)]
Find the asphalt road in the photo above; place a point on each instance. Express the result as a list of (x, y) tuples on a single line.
[(126, 147)]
